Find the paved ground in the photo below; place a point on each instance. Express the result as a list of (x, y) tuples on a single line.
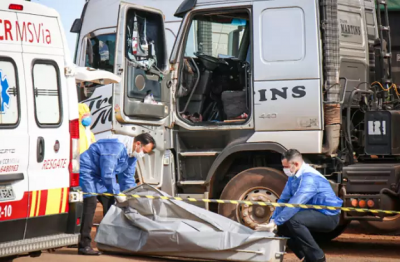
[(348, 247), (352, 246)]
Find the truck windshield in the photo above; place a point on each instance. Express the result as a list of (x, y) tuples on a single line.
[(100, 52), (214, 38)]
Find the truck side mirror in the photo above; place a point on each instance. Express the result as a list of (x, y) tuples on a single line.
[(76, 26)]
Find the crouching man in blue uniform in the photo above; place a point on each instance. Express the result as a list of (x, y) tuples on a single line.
[(100, 165), (305, 186)]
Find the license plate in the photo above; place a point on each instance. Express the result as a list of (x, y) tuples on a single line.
[(6, 193)]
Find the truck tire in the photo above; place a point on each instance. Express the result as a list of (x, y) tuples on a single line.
[(254, 184), (389, 225)]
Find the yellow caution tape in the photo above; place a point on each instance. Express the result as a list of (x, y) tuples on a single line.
[(255, 203)]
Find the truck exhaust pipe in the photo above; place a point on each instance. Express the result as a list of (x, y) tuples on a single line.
[(331, 51)]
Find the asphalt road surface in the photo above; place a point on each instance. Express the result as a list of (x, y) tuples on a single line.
[(352, 246), (348, 247)]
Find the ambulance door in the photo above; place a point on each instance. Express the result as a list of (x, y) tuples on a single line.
[(48, 128), (142, 62), (14, 139)]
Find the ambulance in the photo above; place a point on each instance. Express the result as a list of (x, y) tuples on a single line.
[(40, 203)]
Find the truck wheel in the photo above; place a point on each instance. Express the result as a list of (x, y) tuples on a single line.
[(389, 225), (254, 184)]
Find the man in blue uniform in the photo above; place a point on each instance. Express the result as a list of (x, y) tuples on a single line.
[(100, 165), (305, 186)]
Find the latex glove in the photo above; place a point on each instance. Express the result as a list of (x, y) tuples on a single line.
[(270, 227), (120, 199)]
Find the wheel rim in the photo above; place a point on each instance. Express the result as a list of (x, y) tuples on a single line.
[(252, 215)]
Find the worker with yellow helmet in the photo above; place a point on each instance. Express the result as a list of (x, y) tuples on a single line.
[(86, 137)]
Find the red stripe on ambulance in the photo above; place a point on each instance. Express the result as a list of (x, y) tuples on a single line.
[(43, 201), (14, 209), (35, 203)]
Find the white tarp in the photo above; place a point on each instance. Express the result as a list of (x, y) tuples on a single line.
[(179, 229)]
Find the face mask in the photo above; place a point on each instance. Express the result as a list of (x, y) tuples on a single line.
[(287, 172), (138, 155), (86, 121)]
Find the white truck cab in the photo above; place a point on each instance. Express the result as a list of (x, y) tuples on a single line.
[(97, 35), (247, 80), (40, 207)]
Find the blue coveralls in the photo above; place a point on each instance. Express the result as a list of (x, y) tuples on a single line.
[(309, 187), (99, 166), (101, 163)]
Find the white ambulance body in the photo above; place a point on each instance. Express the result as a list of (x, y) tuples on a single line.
[(39, 133)]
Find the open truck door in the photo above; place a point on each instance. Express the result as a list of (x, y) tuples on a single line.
[(142, 100)]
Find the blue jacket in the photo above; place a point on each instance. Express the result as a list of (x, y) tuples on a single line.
[(308, 187), (101, 163)]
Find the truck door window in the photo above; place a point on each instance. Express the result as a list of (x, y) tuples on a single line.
[(46, 87), (9, 100), (100, 52), (215, 39), (214, 87), (145, 39), (146, 54)]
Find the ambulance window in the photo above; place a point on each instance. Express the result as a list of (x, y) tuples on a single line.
[(9, 100), (46, 93)]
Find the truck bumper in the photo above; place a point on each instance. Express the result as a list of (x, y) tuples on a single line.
[(386, 200), (376, 183)]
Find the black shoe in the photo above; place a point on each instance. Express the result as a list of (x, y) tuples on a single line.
[(321, 259), (88, 251)]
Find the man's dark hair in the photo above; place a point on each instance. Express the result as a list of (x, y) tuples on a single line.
[(145, 139), (291, 154)]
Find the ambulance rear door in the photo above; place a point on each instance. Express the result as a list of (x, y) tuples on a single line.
[(14, 139), (48, 122)]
